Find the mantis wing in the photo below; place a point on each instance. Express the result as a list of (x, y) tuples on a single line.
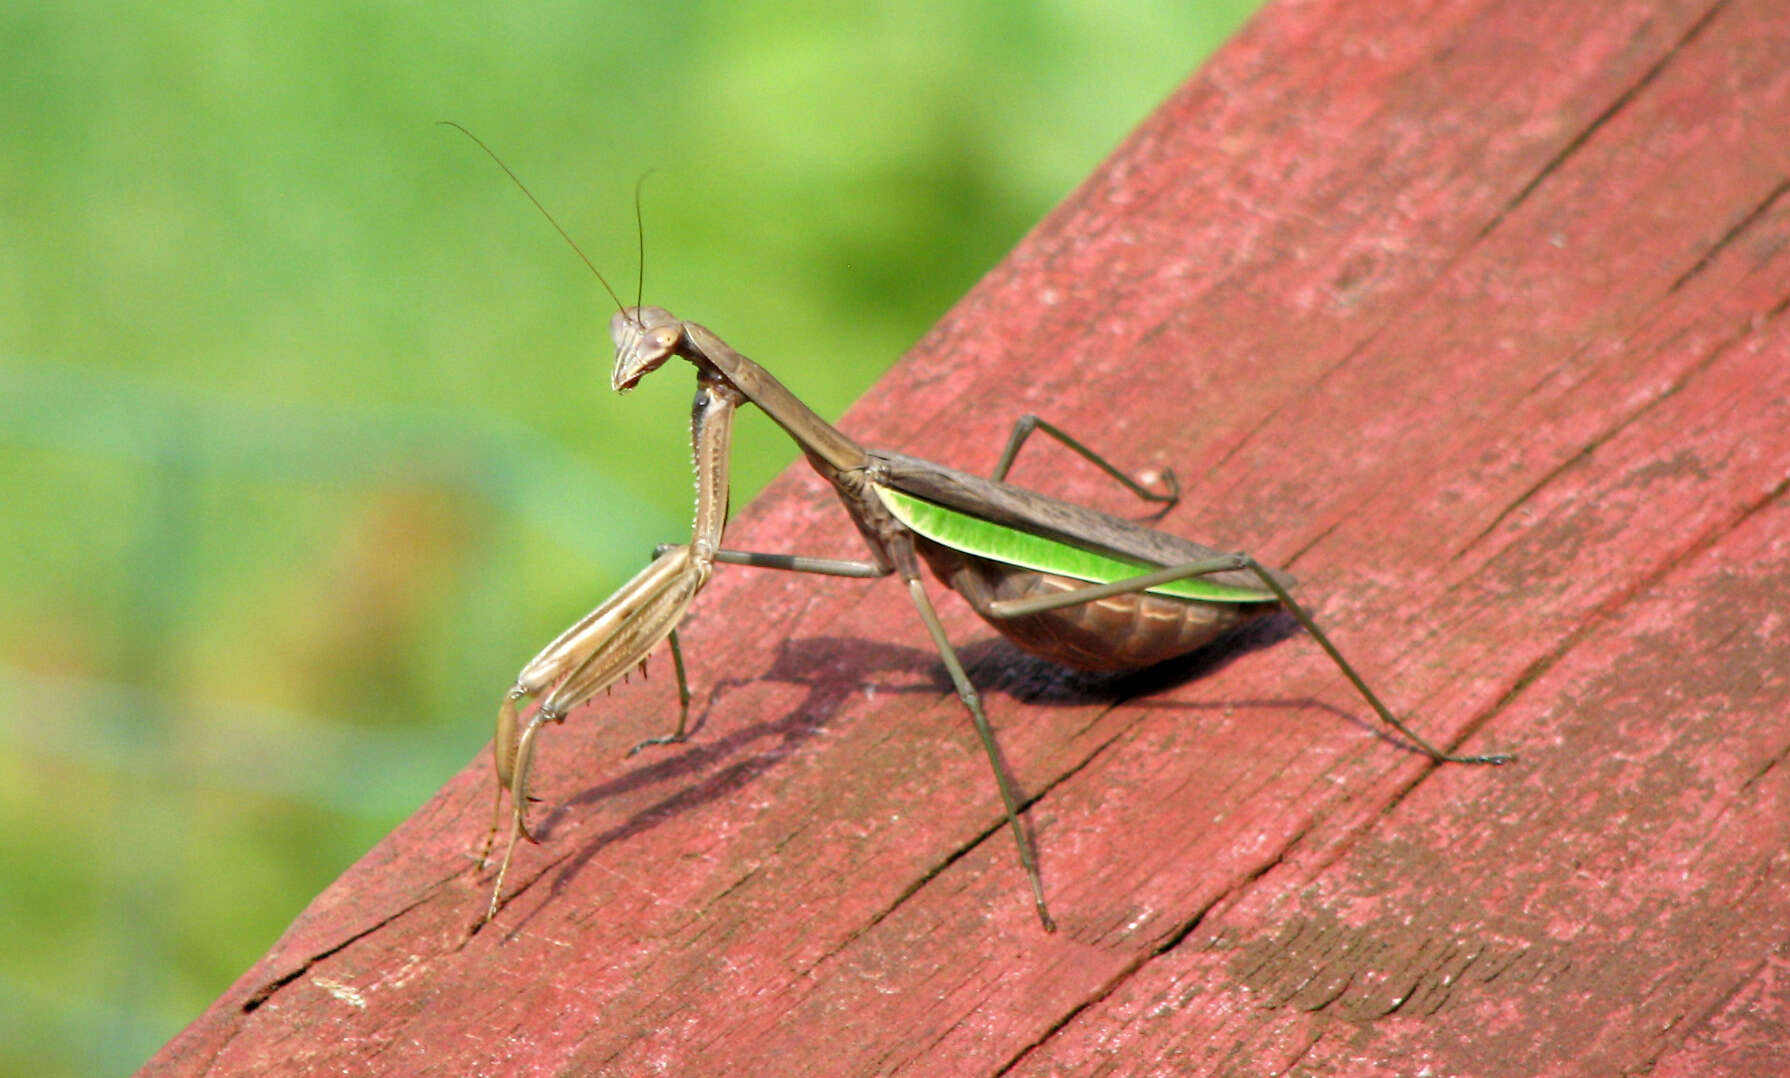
[(1005, 523)]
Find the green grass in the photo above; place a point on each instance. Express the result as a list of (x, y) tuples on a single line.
[(305, 440)]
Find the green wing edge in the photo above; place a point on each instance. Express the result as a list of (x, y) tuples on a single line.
[(997, 542)]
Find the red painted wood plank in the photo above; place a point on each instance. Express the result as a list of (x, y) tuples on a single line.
[(1473, 314)]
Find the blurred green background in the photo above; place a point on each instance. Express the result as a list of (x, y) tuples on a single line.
[(305, 437)]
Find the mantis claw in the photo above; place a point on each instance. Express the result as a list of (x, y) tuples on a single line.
[(1171, 487), (668, 739)]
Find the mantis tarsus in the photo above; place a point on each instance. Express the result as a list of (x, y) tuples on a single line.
[(1068, 583)]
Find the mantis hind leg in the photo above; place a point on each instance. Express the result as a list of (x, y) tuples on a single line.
[(1348, 671), (1229, 563), (1028, 423)]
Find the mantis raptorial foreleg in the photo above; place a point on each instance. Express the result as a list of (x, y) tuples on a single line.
[(604, 645), (600, 650)]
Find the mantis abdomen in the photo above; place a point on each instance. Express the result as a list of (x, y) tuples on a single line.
[(1119, 632)]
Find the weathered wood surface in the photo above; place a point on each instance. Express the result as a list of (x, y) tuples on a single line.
[(1470, 313)]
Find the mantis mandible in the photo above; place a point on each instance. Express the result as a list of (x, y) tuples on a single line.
[(1065, 582)]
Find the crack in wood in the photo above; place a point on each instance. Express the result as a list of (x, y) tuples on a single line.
[(268, 988), (1751, 217), (1622, 101)]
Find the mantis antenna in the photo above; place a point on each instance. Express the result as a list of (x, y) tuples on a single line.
[(640, 229)]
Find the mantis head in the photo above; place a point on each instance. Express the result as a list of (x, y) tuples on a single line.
[(645, 337)]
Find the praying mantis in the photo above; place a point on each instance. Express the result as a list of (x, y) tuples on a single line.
[(1068, 583), (1065, 582)]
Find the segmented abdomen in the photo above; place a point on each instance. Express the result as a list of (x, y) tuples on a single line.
[(1122, 632)]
